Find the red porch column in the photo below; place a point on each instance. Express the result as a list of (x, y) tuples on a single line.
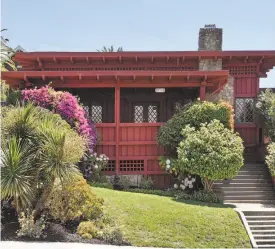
[(202, 91), (117, 123)]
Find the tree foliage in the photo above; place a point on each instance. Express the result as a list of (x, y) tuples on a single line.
[(270, 158), (266, 108), (213, 152), (194, 114), (110, 49), (38, 147)]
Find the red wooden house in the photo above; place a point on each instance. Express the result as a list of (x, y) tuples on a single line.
[(130, 94)]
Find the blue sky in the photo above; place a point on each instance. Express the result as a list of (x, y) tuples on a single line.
[(87, 25)]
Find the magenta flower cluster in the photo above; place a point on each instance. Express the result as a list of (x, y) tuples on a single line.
[(67, 106)]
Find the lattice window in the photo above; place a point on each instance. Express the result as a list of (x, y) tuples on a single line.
[(242, 70), (96, 113), (138, 114), (111, 166), (152, 113), (131, 165), (244, 110)]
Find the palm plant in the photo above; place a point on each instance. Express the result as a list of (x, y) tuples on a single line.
[(18, 173), (110, 49), (57, 149)]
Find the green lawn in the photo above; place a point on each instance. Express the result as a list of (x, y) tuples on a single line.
[(150, 220)]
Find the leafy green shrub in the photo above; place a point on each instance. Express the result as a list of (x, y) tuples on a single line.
[(87, 230), (29, 227), (265, 106), (124, 182), (112, 235), (201, 195), (200, 112), (101, 184), (146, 183), (38, 147), (270, 158), (212, 152), (74, 201)]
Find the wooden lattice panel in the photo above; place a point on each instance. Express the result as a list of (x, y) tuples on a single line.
[(242, 70), (111, 167), (131, 165)]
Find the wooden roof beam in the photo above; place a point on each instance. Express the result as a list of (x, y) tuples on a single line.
[(26, 78), (43, 77), (246, 59), (40, 63), (55, 60), (167, 59), (72, 60), (120, 59), (170, 78), (261, 60), (116, 78), (152, 77), (97, 77), (80, 76), (182, 59), (152, 59), (87, 60), (136, 59), (104, 59), (134, 78), (188, 77), (62, 78)]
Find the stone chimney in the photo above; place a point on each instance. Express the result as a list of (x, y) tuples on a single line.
[(210, 38)]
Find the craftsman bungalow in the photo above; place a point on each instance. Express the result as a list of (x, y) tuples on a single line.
[(130, 94)]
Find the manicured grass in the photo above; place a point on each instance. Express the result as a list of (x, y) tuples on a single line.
[(157, 221)]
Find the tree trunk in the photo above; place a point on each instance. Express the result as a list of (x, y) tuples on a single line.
[(207, 184)]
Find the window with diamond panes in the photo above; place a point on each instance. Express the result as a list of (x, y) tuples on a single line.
[(244, 110), (96, 113), (138, 114), (152, 114)]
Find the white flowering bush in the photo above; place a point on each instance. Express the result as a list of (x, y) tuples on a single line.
[(184, 181), (94, 164), (29, 227)]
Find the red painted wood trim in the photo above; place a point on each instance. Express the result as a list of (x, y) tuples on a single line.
[(105, 125), (245, 95), (141, 124), (144, 142), (107, 143), (117, 122), (102, 73), (141, 54), (245, 125), (202, 92)]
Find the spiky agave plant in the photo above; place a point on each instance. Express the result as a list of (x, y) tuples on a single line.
[(110, 49), (19, 163)]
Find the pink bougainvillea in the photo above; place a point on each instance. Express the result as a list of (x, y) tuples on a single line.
[(67, 106)]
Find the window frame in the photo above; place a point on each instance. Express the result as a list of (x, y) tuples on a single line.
[(245, 111)]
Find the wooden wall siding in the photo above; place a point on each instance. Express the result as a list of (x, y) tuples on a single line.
[(138, 150), (246, 86)]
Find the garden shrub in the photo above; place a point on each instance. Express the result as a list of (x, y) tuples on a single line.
[(29, 227), (266, 108), (194, 114), (270, 158), (146, 182), (87, 230), (112, 235), (213, 152), (74, 201), (38, 147), (201, 195), (124, 182), (101, 184), (67, 106)]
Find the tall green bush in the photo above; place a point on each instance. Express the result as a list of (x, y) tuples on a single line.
[(200, 112), (266, 108), (213, 152), (270, 158), (38, 147)]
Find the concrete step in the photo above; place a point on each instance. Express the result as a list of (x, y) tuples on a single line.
[(242, 188), (245, 193), (266, 246), (262, 227), (264, 236), (264, 232), (249, 201), (254, 172), (245, 181), (249, 197), (259, 213), (243, 184), (253, 176), (260, 217), (265, 242), (261, 222)]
